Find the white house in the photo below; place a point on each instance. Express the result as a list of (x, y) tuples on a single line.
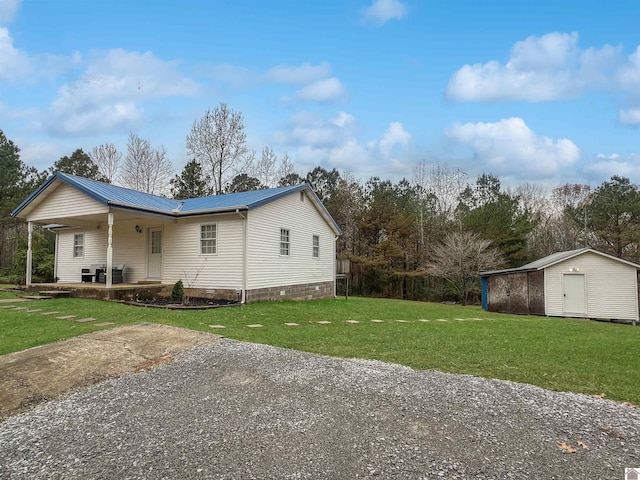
[(265, 244), (581, 283)]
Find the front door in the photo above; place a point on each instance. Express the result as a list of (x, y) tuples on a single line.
[(154, 269), (575, 301)]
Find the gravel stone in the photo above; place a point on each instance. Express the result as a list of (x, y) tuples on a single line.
[(242, 410)]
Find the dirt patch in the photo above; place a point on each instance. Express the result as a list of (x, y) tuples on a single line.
[(46, 372)]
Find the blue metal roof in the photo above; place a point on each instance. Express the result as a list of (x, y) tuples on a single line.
[(108, 194)]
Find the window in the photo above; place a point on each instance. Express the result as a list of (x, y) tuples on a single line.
[(208, 237), (316, 246), (78, 244), (284, 241)]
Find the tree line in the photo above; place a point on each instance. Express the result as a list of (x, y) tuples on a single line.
[(424, 238)]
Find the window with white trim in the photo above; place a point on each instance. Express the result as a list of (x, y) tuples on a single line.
[(316, 246), (284, 241), (208, 239), (78, 245)]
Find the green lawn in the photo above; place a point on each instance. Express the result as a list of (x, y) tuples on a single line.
[(555, 353)]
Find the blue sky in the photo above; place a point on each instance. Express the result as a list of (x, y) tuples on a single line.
[(545, 92)]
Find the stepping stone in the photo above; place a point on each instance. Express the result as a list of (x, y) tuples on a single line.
[(352, 321), (377, 321), (103, 324), (402, 321), (217, 326), (33, 310), (460, 319), (84, 320), (324, 322), (35, 297), (50, 313), (21, 308), (255, 325), (13, 300), (8, 306), (66, 317), (442, 320), (474, 319), (423, 320), (292, 324)]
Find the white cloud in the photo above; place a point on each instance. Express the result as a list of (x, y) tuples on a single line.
[(395, 135), (40, 154), (629, 117), (8, 9), (543, 68), (300, 75), (14, 64), (604, 167), (322, 91), (381, 11), (511, 147), (107, 95), (314, 131), (334, 142)]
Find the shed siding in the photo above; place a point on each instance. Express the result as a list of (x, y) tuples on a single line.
[(182, 259), (266, 267), (610, 287), (65, 201)]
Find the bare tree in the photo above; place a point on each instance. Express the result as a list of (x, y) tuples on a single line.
[(107, 158), (460, 258), (146, 169), (265, 169), (286, 166), (219, 143)]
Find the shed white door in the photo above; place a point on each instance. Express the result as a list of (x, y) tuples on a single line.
[(575, 301), (154, 269)]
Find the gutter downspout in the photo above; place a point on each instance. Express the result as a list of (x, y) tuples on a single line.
[(244, 256)]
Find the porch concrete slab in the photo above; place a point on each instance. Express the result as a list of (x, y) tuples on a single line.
[(217, 326), (66, 317), (50, 313), (84, 320), (103, 324), (352, 321), (255, 325), (377, 321), (291, 324)]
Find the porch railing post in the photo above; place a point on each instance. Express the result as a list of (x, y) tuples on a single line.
[(109, 250), (29, 254)]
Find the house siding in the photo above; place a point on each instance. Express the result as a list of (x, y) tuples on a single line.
[(611, 290), (65, 202), (266, 267), (182, 259)]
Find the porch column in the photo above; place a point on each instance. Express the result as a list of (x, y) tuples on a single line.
[(29, 253), (109, 250)]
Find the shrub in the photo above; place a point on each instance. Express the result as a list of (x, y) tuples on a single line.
[(177, 294)]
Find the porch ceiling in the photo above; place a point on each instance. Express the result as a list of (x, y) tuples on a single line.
[(95, 219)]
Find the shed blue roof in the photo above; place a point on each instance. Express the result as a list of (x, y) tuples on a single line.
[(108, 194)]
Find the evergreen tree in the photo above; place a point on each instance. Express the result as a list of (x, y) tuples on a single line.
[(191, 183), (80, 164)]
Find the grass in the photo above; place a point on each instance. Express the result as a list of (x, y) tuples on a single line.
[(555, 353)]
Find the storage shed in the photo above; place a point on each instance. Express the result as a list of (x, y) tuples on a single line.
[(581, 283)]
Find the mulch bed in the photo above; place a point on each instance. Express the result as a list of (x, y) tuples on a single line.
[(195, 303)]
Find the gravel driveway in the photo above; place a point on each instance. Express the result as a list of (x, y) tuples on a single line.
[(241, 410)]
